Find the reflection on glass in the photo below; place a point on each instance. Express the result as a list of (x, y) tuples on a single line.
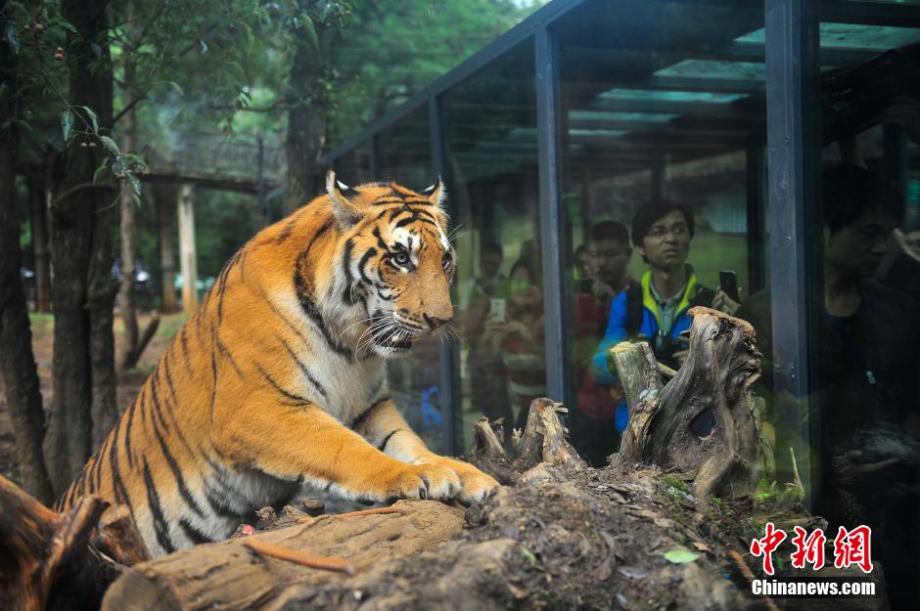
[(403, 155), (866, 342), (354, 167), (663, 185), (490, 132)]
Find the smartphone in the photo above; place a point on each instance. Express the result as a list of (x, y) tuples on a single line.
[(728, 281), (497, 309)]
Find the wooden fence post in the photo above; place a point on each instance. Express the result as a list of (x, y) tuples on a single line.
[(187, 254)]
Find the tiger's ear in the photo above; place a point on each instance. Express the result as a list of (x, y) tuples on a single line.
[(437, 193), (346, 213)]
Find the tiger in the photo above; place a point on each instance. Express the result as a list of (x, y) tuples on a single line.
[(278, 379)]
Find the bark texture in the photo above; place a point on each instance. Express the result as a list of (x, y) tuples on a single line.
[(84, 216), (308, 116), (61, 561), (17, 361), (704, 419)]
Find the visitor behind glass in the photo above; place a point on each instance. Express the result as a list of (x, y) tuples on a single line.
[(487, 293), (608, 251), (866, 375), (519, 338)]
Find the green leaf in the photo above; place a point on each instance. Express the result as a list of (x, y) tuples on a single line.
[(92, 117), (680, 555), (11, 35), (176, 86), (203, 45), (100, 171), (110, 145), (135, 184), (311, 31), (67, 125)]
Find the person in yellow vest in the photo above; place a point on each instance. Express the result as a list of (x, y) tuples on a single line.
[(655, 308)]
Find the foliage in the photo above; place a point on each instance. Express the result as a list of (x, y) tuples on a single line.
[(202, 66)]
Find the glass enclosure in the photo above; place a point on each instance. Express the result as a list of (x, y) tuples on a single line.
[(663, 113), (662, 159), (490, 135)]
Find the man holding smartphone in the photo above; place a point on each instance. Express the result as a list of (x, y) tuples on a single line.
[(655, 308)]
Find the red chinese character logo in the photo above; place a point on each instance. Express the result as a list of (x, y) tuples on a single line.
[(853, 547), (766, 546), (808, 549)]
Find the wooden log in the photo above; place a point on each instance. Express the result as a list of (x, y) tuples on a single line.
[(230, 575), (703, 420), (639, 375), (543, 439), (60, 561)]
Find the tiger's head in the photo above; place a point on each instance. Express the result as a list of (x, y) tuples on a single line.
[(394, 261)]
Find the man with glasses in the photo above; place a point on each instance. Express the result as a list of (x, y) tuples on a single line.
[(655, 308)]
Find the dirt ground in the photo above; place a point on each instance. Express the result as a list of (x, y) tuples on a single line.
[(129, 382)]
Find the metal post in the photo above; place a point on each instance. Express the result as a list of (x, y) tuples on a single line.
[(795, 229), (551, 221), (450, 350)]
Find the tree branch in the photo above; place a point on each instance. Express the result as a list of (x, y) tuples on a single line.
[(128, 108)]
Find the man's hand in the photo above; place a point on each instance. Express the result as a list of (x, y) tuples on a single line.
[(602, 291), (726, 304)]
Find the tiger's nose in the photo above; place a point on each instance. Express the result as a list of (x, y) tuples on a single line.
[(434, 322)]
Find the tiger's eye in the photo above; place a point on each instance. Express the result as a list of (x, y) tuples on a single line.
[(401, 258)]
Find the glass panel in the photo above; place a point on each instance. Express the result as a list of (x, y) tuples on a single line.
[(866, 346), (404, 156), (663, 149), (491, 138), (354, 167), (404, 151)]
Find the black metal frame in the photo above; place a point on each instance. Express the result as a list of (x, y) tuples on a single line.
[(450, 351), (550, 213), (794, 161)]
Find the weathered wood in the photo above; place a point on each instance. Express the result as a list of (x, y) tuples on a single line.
[(543, 439), (639, 375), (229, 575), (703, 420), (52, 560)]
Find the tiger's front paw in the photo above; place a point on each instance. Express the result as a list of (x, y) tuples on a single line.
[(476, 486), (425, 481)]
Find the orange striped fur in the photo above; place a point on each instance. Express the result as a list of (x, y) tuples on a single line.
[(279, 377)]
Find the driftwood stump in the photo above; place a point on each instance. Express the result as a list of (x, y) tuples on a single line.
[(61, 561), (703, 420)]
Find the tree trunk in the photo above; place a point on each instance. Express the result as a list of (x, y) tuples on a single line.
[(126, 304), (165, 197), (38, 206), (17, 363), (83, 217), (308, 116)]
